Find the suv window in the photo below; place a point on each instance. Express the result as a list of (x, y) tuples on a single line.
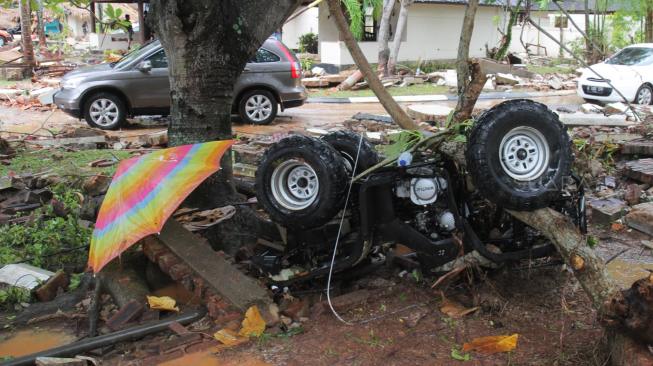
[(159, 60), (632, 56), (263, 55)]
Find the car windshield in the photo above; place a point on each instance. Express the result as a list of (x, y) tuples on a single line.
[(632, 56), (131, 56)]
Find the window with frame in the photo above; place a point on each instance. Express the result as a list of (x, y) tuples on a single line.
[(263, 56), (561, 21), (159, 60)]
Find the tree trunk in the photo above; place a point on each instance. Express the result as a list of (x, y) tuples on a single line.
[(26, 32), (462, 67), (208, 43), (399, 34), (384, 36), (504, 46), (398, 115), (466, 100), (624, 312), (649, 25), (40, 30)]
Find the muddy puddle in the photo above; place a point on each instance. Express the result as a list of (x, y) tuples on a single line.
[(626, 272), (25, 342)]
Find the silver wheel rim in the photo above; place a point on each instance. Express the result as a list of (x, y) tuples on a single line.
[(258, 107), (295, 185), (104, 112), (524, 153), (644, 96)]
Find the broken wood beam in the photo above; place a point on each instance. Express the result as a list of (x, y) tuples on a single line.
[(190, 260)]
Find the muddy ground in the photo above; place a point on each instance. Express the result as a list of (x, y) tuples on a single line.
[(398, 321)]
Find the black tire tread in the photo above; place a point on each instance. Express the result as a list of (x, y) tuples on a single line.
[(348, 140), (479, 169), (324, 208)]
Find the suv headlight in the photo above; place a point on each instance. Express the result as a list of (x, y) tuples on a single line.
[(71, 83)]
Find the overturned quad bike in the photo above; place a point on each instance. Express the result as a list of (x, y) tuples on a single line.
[(518, 157)]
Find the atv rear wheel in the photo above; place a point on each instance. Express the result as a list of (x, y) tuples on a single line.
[(518, 155), (347, 144), (301, 182)]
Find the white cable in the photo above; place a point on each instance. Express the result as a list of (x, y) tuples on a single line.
[(335, 247)]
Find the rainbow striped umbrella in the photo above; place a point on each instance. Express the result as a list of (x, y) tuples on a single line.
[(145, 191)]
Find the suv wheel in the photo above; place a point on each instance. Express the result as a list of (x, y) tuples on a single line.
[(105, 111), (644, 95), (258, 107)]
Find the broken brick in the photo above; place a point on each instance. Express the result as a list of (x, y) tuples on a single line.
[(604, 211), (128, 313), (641, 218), (640, 170)]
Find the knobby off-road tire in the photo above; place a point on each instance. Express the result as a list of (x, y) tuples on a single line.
[(519, 154), (346, 143), (301, 182)]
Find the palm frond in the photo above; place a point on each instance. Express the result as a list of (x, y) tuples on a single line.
[(355, 13)]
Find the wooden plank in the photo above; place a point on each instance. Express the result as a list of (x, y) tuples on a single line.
[(242, 291)]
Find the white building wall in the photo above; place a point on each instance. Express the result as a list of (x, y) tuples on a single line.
[(534, 38), (432, 33), (307, 22)]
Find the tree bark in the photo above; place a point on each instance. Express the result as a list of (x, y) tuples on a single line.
[(26, 32), (208, 43), (506, 39), (40, 30), (399, 34), (398, 115), (466, 100), (588, 40), (384, 36), (649, 25), (462, 68)]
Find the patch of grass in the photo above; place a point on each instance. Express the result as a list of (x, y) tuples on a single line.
[(551, 69), (416, 89), (61, 161)]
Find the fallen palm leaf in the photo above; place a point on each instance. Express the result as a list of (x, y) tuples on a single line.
[(162, 303), (492, 344), (253, 325), (229, 337)]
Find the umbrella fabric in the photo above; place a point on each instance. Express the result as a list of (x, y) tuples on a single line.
[(145, 191)]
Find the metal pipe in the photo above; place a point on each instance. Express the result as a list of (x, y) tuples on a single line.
[(107, 339)]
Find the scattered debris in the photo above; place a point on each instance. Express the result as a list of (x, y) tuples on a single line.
[(640, 170), (641, 218), (23, 275)]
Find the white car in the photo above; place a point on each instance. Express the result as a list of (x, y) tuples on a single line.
[(630, 71)]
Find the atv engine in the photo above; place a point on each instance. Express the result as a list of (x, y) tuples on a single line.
[(427, 189)]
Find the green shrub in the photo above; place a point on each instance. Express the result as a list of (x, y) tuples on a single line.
[(308, 43)]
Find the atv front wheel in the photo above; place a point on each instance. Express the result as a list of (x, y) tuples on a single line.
[(301, 182), (519, 154)]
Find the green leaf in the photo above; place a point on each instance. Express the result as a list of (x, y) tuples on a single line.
[(458, 356)]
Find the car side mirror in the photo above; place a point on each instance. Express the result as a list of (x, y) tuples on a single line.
[(144, 66)]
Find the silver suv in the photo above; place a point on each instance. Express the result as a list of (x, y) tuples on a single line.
[(106, 94)]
